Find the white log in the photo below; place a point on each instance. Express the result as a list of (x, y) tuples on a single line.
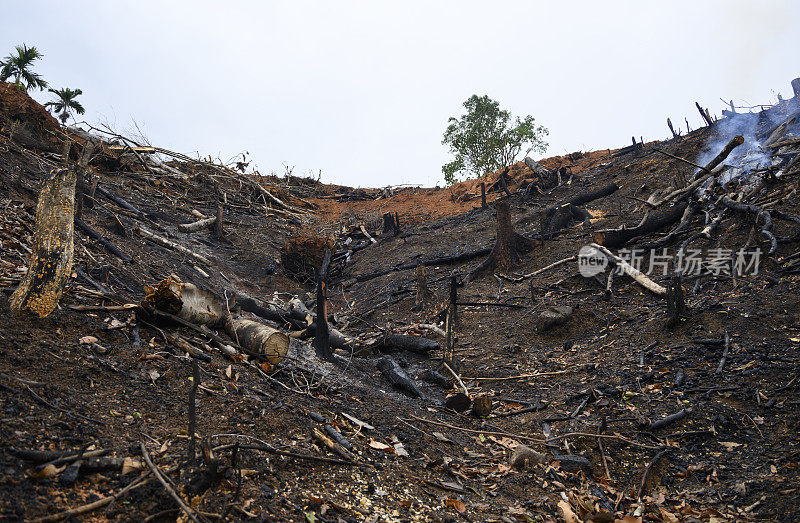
[(634, 273), (172, 245), (198, 225)]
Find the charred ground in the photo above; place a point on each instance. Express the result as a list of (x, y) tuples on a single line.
[(610, 371)]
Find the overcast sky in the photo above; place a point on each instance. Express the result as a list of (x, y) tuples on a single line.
[(363, 90)]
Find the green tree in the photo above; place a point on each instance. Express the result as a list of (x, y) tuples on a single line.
[(18, 66), (65, 103), (486, 138)]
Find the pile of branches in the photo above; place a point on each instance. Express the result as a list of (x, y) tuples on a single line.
[(708, 199)]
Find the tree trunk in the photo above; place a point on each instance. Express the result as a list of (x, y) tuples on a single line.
[(507, 247), (652, 222), (50, 263), (322, 342)]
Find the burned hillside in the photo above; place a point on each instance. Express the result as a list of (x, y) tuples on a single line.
[(602, 336)]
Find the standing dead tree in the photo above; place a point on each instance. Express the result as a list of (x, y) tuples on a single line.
[(508, 246), (50, 263), (322, 341)]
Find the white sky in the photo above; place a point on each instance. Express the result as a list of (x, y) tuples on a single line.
[(363, 90)]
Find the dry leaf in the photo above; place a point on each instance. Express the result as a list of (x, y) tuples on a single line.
[(456, 504), (730, 445), (379, 446), (88, 340), (566, 512), (47, 472)]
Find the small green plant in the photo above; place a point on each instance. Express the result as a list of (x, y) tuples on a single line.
[(65, 103), (485, 139), (18, 66)]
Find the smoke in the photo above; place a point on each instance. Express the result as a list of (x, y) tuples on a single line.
[(746, 159)]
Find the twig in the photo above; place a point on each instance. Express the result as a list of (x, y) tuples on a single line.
[(458, 379), (663, 452), (724, 357), (521, 376), (157, 473), (89, 507), (266, 447), (605, 461), (472, 431)]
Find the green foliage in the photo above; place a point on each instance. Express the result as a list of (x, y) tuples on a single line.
[(486, 138), (65, 103), (18, 66)]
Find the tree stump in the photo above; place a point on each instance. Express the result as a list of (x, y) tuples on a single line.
[(508, 246)]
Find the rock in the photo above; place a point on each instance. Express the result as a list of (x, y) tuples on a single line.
[(524, 457), (556, 315), (573, 464)]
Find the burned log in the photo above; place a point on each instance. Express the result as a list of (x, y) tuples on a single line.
[(652, 222), (584, 198), (398, 377), (404, 342), (50, 263), (110, 247), (508, 247), (735, 142), (119, 201)]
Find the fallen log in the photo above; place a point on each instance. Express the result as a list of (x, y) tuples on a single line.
[(404, 342), (735, 142), (198, 225), (398, 377), (634, 273), (270, 343), (193, 305), (110, 247), (443, 260), (119, 201), (50, 264), (171, 245), (652, 222)]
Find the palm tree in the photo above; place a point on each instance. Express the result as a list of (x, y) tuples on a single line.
[(66, 103), (18, 66)]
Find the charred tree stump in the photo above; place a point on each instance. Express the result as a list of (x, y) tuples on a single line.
[(483, 194), (508, 246), (424, 295), (391, 224), (672, 129), (704, 114), (676, 300), (219, 231), (796, 88), (503, 182), (322, 342)]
